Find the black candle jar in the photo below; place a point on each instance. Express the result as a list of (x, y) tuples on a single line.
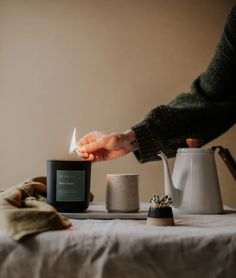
[(68, 184)]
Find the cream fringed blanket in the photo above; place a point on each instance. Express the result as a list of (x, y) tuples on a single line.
[(24, 211)]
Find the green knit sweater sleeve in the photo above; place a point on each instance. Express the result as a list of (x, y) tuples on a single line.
[(206, 112)]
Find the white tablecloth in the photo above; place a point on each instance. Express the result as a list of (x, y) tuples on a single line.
[(198, 246)]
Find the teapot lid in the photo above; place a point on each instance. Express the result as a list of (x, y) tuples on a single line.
[(194, 150)]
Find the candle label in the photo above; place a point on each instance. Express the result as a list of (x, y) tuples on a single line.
[(70, 186)]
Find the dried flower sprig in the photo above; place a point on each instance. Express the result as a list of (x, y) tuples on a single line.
[(160, 201)]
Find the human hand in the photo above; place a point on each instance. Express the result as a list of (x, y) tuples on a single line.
[(98, 146)]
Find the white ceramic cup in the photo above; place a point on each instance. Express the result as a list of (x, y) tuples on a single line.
[(122, 193)]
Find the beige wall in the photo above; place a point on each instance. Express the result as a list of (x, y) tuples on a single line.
[(98, 65)]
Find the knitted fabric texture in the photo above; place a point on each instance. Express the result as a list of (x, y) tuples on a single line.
[(206, 112)]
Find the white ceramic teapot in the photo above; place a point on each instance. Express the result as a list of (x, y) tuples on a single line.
[(195, 186)]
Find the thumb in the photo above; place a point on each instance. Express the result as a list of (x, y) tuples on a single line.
[(95, 146)]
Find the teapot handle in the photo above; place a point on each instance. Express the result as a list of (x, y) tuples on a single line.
[(227, 158)]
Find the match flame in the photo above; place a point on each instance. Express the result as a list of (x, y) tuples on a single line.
[(73, 143)]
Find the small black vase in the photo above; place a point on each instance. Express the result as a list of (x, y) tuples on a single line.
[(160, 216)]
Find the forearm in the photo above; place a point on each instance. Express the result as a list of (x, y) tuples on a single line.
[(204, 113), (167, 127)]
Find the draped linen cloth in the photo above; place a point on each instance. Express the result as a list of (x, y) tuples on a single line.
[(24, 210)]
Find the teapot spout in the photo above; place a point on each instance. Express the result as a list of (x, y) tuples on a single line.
[(170, 189)]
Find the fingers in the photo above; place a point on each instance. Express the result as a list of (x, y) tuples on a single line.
[(87, 156), (88, 145), (97, 145), (90, 138), (91, 157), (93, 142)]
